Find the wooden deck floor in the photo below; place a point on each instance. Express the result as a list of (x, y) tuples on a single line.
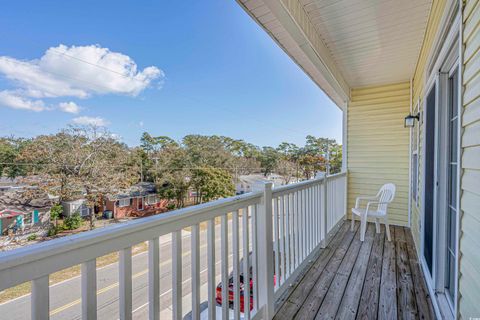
[(376, 279)]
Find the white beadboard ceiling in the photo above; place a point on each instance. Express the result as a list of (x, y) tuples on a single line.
[(360, 42)]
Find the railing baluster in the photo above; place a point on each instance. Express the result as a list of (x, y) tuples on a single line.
[(309, 220), (287, 234), (324, 213), (254, 256), (224, 249), (125, 287), (195, 268), (276, 242), (319, 214), (246, 264), (177, 274), (315, 212), (281, 213), (40, 300), (236, 264), (304, 226), (211, 269), (153, 279), (89, 290), (296, 229)]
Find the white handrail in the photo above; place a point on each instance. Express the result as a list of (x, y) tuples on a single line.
[(16, 266), (302, 216)]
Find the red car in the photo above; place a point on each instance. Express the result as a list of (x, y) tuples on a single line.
[(231, 290)]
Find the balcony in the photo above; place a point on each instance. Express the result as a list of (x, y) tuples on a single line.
[(376, 279), (317, 266)]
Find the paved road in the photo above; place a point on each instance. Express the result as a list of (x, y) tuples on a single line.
[(65, 300)]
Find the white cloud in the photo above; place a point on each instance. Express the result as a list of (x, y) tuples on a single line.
[(141, 124), (90, 121), (14, 100), (70, 107), (78, 71)]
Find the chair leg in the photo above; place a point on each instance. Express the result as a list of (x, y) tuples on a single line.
[(387, 227), (377, 225), (353, 222), (363, 227)]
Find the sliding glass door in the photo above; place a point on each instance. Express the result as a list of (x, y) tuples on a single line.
[(452, 167)]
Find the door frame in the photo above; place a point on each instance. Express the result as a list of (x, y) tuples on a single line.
[(441, 65)]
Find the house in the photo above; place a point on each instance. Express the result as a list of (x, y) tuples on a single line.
[(256, 182), (139, 200), (73, 206), (406, 77), (7, 183), (23, 207)]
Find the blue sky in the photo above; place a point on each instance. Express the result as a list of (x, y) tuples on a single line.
[(215, 72)]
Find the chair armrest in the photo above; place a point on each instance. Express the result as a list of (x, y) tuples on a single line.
[(375, 202), (357, 202)]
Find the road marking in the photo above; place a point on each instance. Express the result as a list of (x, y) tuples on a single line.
[(103, 290), (164, 244), (170, 290)]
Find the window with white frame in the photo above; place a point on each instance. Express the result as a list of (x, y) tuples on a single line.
[(123, 203), (415, 155), (152, 199)]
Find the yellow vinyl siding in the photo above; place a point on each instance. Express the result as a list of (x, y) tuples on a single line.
[(378, 145), (419, 80), (469, 281)]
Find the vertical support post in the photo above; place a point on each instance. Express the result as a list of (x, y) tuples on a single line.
[(211, 268), (154, 279), (345, 154), (344, 138), (40, 302), (177, 274), (195, 248), (224, 257), (125, 279), (89, 290), (265, 254), (324, 213)]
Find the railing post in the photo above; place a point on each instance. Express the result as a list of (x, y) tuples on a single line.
[(265, 254), (324, 213)]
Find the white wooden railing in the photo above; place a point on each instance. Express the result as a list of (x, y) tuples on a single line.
[(278, 230)]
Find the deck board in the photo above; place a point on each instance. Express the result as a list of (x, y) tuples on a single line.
[(374, 279)]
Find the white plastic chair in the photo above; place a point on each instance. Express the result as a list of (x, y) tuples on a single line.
[(380, 201)]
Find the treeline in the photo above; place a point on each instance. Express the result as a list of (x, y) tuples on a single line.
[(90, 161)]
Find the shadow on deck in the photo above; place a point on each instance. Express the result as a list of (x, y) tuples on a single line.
[(376, 279)]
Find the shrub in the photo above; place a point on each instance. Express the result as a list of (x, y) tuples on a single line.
[(171, 206), (56, 212), (32, 237), (52, 231), (73, 222)]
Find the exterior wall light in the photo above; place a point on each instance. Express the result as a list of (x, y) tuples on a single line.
[(410, 120)]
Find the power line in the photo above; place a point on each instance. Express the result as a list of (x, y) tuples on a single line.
[(94, 64), (129, 166), (187, 97), (196, 100), (94, 86)]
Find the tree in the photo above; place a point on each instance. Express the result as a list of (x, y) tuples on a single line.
[(174, 174), (10, 148), (268, 160), (287, 169), (55, 213), (81, 161), (212, 183)]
